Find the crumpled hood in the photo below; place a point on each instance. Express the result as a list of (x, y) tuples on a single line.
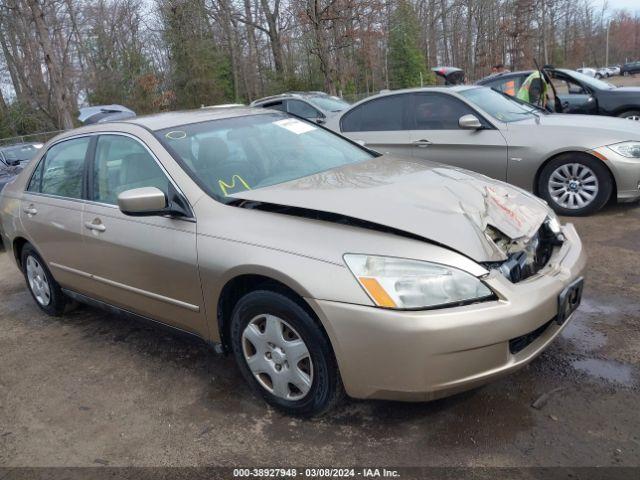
[(442, 204)]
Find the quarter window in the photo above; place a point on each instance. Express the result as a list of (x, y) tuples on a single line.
[(122, 163), (61, 171), (436, 111), (378, 115)]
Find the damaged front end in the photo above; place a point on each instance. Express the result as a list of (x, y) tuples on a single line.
[(526, 256)]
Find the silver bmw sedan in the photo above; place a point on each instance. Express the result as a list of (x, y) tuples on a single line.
[(577, 163)]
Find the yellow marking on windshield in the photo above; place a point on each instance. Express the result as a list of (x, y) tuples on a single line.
[(224, 186)]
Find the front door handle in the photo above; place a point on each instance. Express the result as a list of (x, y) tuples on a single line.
[(95, 226), (422, 143), (30, 210)]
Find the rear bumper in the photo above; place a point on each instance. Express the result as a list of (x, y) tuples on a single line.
[(423, 355)]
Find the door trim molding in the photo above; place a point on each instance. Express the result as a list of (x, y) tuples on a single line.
[(128, 288)]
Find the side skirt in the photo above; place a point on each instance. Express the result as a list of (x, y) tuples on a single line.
[(121, 312)]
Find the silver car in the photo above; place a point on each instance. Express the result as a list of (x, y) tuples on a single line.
[(575, 162)]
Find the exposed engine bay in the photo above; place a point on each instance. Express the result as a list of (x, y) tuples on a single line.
[(526, 255)]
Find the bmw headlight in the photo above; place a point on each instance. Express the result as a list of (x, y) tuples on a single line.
[(627, 149), (412, 284)]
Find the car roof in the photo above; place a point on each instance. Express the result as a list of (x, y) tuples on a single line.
[(160, 121), (285, 95), (443, 88)]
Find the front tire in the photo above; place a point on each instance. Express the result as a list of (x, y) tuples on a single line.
[(575, 184), (631, 115), (43, 288), (284, 355)]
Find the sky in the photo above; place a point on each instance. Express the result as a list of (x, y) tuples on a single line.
[(631, 5)]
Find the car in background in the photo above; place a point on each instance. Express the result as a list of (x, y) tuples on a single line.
[(630, 68), (614, 70), (450, 75), (576, 163), (317, 263), (104, 113), (575, 92), (589, 72), (13, 158), (313, 106)]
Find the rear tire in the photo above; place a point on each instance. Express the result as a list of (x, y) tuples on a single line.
[(631, 115), (575, 184), (279, 347), (43, 288)]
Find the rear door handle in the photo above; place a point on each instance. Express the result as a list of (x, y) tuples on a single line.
[(30, 210), (95, 226), (422, 143)]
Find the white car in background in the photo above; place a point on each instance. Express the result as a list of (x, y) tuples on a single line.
[(590, 72), (613, 71)]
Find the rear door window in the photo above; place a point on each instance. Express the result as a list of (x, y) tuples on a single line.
[(378, 115)]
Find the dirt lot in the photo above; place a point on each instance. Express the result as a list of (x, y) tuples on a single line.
[(92, 389)]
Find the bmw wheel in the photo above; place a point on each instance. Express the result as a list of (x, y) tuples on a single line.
[(284, 354), (575, 184), (44, 289)]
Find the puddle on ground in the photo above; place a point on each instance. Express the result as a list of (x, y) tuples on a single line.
[(605, 369), (584, 337)]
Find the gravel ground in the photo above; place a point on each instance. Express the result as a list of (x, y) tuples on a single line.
[(92, 389)]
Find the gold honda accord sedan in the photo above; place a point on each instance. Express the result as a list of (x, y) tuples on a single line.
[(322, 266)]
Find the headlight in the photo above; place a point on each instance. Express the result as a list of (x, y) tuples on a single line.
[(553, 223), (627, 149), (405, 284)]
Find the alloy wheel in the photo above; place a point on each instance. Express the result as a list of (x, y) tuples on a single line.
[(633, 117), (573, 186), (278, 357), (38, 282)]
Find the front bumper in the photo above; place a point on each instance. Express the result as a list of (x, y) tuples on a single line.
[(626, 172), (423, 355)]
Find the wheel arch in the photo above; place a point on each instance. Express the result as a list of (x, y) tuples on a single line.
[(536, 178), (241, 284), (17, 246)]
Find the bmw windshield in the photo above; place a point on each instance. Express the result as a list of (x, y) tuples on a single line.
[(244, 153), (499, 106)]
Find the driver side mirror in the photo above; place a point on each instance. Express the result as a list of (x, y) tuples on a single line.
[(143, 202), (320, 120), (469, 122)]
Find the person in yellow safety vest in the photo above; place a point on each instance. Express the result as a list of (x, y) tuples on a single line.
[(534, 90)]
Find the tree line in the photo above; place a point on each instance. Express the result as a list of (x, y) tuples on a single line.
[(155, 55)]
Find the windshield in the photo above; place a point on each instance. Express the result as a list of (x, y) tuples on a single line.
[(499, 106), (244, 153), (19, 153), (329, 104), (589, 81)]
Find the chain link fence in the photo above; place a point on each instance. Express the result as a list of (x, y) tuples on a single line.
[(41, 137)]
